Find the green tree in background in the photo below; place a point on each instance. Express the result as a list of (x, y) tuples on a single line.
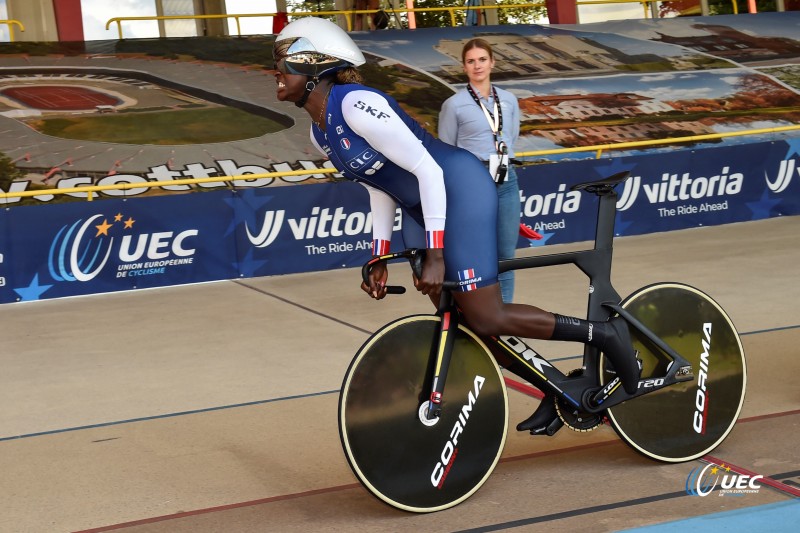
[(8, 172), (715, 7), (436, 19)]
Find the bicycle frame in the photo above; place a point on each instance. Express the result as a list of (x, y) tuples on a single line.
[(584, 392)]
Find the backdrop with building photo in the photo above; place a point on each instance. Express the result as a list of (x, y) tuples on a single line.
[(146, 110)]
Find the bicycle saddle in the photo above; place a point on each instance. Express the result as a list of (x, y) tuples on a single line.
[(603, 186)]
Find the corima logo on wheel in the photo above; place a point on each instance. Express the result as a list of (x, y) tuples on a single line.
[(675, 188), (701, 396), (450, 450), (323, 223)]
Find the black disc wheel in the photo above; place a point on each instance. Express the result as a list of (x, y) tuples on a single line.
[(686, 420), (396, 452)]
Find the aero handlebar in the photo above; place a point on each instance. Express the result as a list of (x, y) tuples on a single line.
[(415, 257)]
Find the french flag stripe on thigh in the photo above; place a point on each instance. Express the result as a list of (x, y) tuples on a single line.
[(465, 275)]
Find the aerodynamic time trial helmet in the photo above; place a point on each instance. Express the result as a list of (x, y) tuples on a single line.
[(313, 47)]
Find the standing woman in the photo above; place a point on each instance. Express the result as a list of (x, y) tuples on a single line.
[(484, 119), (370, 139)]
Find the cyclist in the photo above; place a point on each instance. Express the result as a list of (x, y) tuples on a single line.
[(447, 190)]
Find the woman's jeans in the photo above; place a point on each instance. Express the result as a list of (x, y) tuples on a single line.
[(508, 220)]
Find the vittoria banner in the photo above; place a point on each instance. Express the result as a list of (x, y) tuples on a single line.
[(52, 251), (684, 189)]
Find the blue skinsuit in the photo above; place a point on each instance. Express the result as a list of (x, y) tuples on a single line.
[(469, 194)]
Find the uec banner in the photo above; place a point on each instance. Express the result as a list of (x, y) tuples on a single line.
[(53, 251)]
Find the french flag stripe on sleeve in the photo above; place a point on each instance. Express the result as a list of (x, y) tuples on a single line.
[(435, 239), (380, 247)]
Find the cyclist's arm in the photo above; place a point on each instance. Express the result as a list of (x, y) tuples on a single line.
[(383, 209), (387, 133)]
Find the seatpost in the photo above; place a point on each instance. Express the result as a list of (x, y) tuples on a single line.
[(606, 213)]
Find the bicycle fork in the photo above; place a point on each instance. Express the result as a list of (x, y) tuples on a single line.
[(448, 326)]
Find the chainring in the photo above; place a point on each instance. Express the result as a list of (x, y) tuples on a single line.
[(573, 418)]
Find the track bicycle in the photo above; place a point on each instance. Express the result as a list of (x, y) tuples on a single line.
[(423, 410)]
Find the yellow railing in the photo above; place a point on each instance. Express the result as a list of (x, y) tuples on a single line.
[(599, 148), (91, 190), (453, 10), (11, 24), (120, 20)]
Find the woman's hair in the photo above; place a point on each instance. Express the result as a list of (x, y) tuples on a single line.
[(476, 43), (349, 75)]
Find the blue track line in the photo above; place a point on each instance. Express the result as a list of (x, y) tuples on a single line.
[(169, 415)]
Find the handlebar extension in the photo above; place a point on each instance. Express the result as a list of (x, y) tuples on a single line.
[(415, 256)]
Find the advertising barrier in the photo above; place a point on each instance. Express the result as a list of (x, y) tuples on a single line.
[(79, 248)]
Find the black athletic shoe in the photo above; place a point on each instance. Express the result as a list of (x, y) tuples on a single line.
[(542, 418), (619, 350)]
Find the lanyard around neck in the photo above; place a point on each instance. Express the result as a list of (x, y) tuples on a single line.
[(495, 120)]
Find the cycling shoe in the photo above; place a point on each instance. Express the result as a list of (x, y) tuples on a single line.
[(619, 350), (543, 421)]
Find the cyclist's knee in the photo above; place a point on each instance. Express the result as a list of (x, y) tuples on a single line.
[(484, 321)]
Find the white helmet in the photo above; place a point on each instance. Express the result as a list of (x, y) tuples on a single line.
[(312, 46)]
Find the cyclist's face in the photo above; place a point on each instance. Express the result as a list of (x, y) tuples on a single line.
[(478, 64), (290, 86)]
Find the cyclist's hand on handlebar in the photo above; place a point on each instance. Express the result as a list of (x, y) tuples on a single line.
[(378, 275), (432, 273)]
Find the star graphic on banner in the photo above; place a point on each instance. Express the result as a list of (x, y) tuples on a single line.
[(542, 241), (620, 225), (794, 147), (129, 223), (249, 266), (32, 291), (102, 229), (762, 208), (246, 206)]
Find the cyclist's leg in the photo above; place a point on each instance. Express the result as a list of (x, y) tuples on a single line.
[(484, 310), (470, 254)]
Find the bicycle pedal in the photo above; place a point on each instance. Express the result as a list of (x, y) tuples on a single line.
[(550, 429), (554, 426)]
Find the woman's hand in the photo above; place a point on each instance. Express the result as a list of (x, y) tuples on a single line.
[(378, 275), (432, 274)]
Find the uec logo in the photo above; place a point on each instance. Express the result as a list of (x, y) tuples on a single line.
[(75, 255), (701, 482)]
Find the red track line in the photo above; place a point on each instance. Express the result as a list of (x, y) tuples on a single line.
[(524, 388), (741, 471), (220, 508), (770, 415)]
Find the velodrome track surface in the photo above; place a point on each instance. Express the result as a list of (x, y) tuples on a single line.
[(212, 408)]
